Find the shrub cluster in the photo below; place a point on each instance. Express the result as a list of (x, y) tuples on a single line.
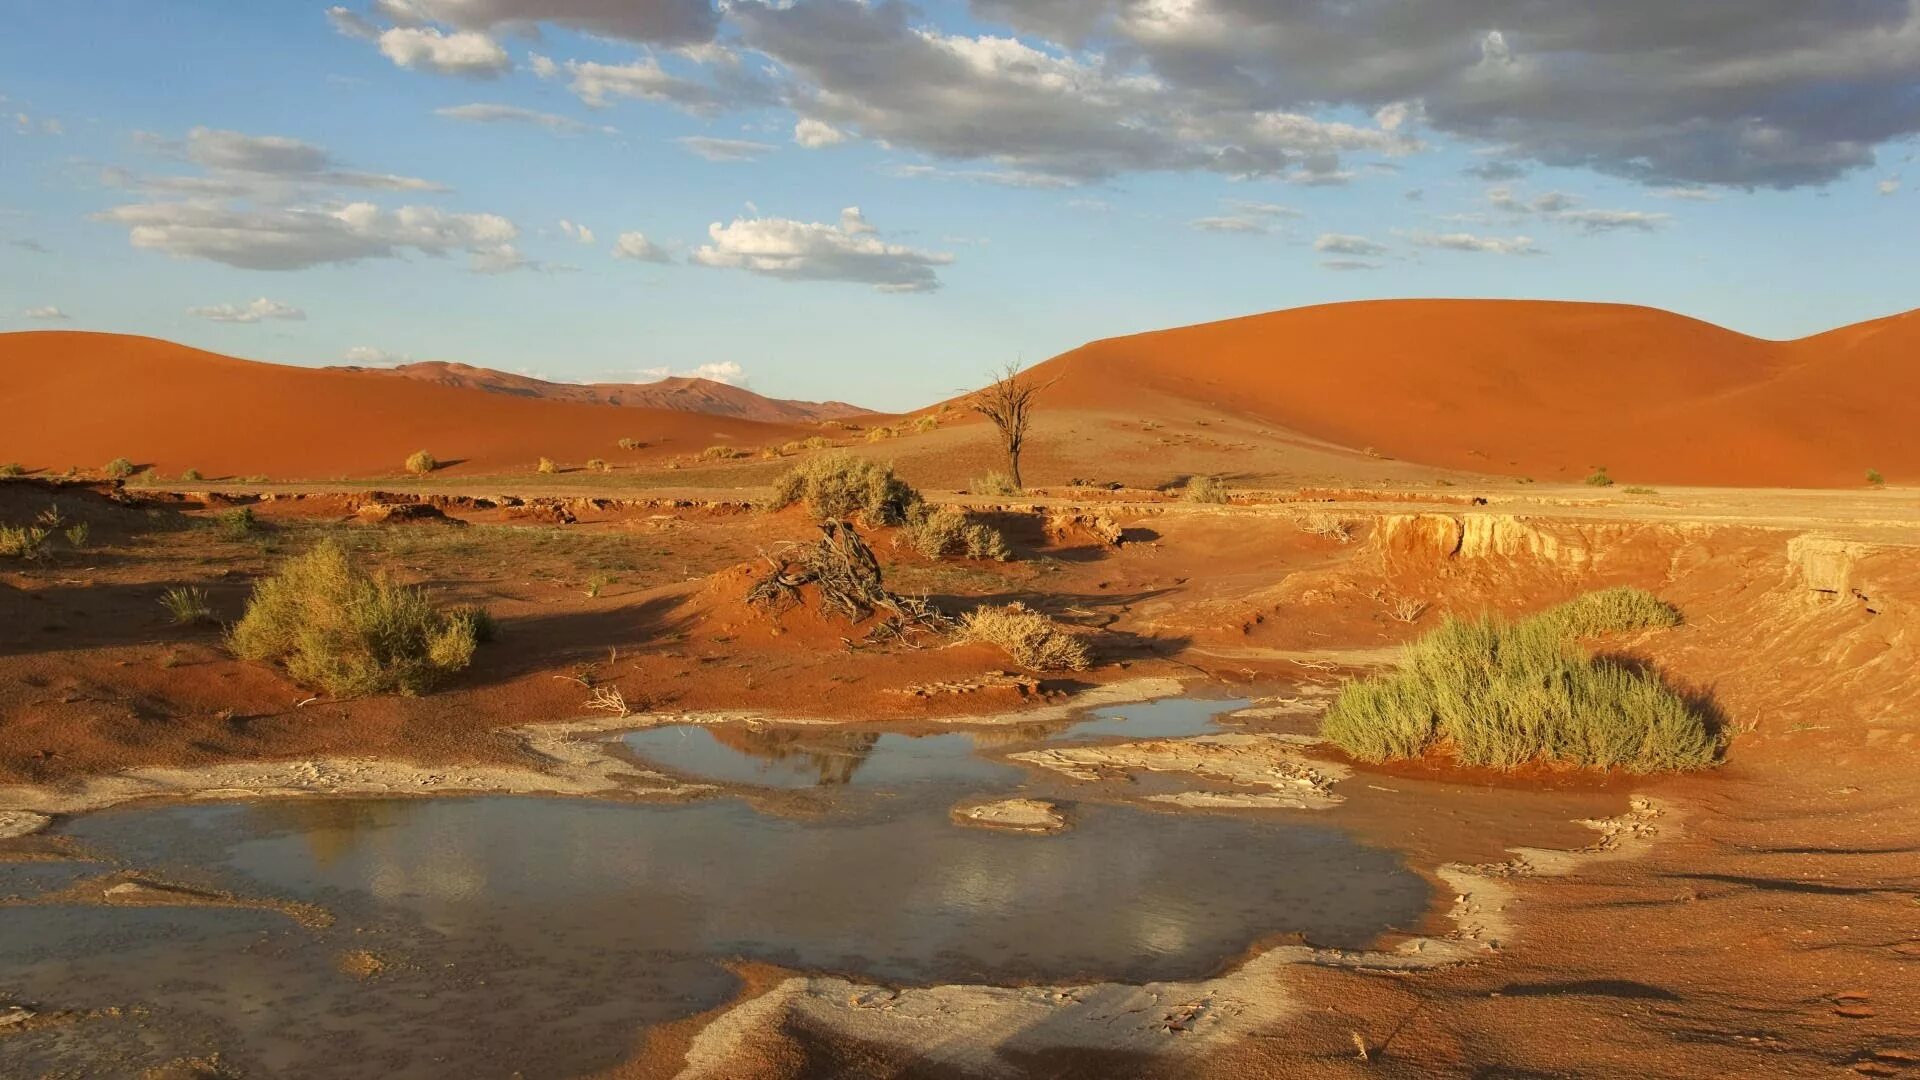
[(421, 463), (1504, 694), (1030, 638), (336, 627), (23, 542), (949, 530), (841, 485), (995, 483), (1205, 489)]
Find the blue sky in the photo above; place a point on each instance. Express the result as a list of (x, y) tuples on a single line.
[(390, 179)]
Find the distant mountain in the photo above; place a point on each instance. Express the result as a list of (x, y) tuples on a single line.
[(677, 393)]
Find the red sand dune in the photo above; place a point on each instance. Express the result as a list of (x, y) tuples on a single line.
[(1528, 388), (69, 398), (679, 393), (1538, 388)]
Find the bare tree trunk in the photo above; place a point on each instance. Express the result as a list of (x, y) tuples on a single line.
[(1008, 402)]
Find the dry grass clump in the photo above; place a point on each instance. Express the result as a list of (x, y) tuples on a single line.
[(335, 626), (420, 463), (1205, 489), (1328, 526), (949, 530), (547, 466), (12, 468), (78, 534), (186, 604), (1030, 638), (1599, 477), (1503, 694), (926, 423), (631, 444), (881, 434), (994, 483), (27, 542), (598, 465), (192, 476), (119, 468), (841, 485), (721, 453)]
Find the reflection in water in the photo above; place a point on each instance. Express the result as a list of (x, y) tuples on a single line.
[(832, 757)]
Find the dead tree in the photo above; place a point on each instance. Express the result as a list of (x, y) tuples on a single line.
[(1008, 402)]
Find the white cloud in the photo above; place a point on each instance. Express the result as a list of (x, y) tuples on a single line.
[(811, 251), (1247, 217), (48, 313), (26, 125), (1687, 194), (1561, 207), (1348, 264), (725, 149), (252, 311), (636, 246), (814, 134), (259, 166), (367, 354), (1489, 245), (665, 22), (1229, 225), (487, 113), (1347, 244), (293, 238), (1888, 186), (644, 79), (463, 52), (723, 371), (578, 232)]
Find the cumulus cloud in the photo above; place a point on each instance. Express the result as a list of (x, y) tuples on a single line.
[(725, 149), (253, 311), (814, 134), (636, 246), (661, 22), (811, 251), (367, 354), (427, 48), (722, 371), (1486, 245), (293, 238), (487, 113), (1719, 92), (576, 232), (1347, 244), (644, 79), (869, 70), (1888, 186), (48, 313)]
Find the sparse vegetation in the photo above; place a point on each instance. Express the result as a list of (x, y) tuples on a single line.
[(186, 604), (23, 542), (1205, 489), (720, 453), (547, 466), (1599, 477), (336, 627), (191, 476), (818, 442), (1008, 402), (598, 465), (1874, 478), (12, 468), (77, 534), (949, 530), (1030, 638), (1502, 694), (1639, 491), (238, 523), (994, 483), (1406, 609), (880, 434), (631, 444), (119, 468), (1328, 526), (421, 463), (926, 423), (840, 485)]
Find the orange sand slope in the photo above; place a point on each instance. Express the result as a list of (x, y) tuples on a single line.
[(82, 399), (680, 393), (1536, 388)]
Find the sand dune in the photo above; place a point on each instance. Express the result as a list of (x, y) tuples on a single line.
[(679, 393), (83, 398), (1534, 388)]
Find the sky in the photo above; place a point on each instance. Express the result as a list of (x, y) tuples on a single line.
[(882, 202)]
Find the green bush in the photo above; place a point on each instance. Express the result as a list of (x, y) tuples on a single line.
[(119, 468), (336, 627), (949, 530), (1205, 489), (238, 523), (840, 485), (186, 604), (1600, 477), (1874, 478), (421, 463), (29, 542), (77, 534), (1503, 694)]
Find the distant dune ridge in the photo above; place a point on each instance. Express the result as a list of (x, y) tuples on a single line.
[(680, 393), (1538, 389)]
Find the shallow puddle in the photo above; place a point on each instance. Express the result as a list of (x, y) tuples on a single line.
[(544, 934)]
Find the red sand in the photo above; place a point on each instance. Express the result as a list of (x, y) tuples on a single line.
[(679, 393), (83, 399), (1538, 388)]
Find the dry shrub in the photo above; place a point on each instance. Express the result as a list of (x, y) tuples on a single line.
[(12, 468), (1328, 526), (598, 465), (119, 468), (949, 530), (631, 444), (1030, 638), (842, 568), (421, 463), (841, 485), (191, 476), (548, 466), (23, 542), (926, 423), (336, 627), (1505, 694), (1205, 489), (880, 434), (995, 483), (817, 442), (720, 453)]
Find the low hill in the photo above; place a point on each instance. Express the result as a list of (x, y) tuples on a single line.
[(679, 393), (80, 398)]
